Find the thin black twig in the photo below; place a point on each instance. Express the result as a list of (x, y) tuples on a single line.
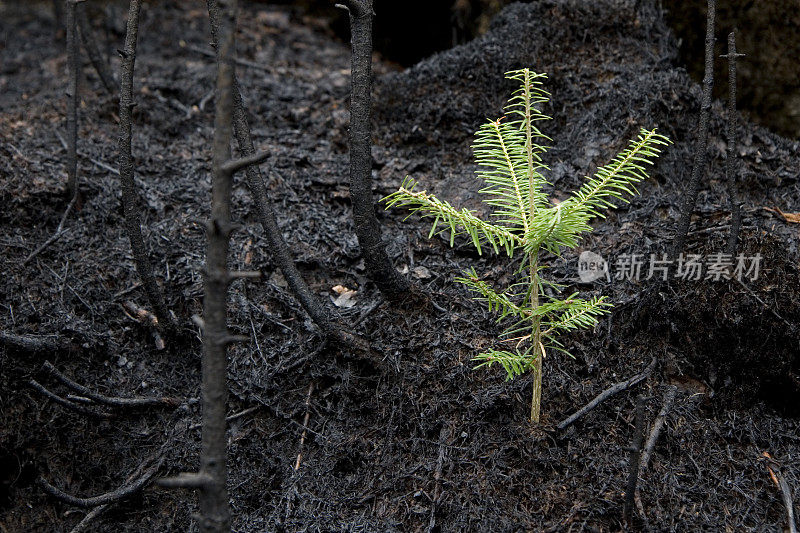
[(699, 163), (655, 432), (305, 427), (68, 404), (54, 237), (130, 199), (658, 425), (215, 514), (111, 401), (103, 499), (606, 394), (730, 160), (633, 463)]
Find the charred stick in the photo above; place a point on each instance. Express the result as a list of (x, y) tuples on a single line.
[(235, 165), (107, 400), (633, 463), (305, 426), (658, 425), (103, 499), (130, 198), (33, 343), (730, 160), (68, 404), (93, 51), (701, 142), (606, 394), (143, 315), (373, 248)]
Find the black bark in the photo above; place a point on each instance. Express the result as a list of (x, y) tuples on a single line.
[(130, 198), (730, 161), (72, 97), (699, 163), (93, 51), (214, 505), (377, 262), (266, 213)]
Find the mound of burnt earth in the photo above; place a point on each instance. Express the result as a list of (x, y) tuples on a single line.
[(737, 335)]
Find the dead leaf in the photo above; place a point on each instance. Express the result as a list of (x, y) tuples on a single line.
[(421, 272), (345, 298)]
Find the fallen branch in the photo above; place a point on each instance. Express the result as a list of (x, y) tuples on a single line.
[(68, 404), (33, 343), (108, 400), (658, 424), (606, 394), (633, 463), (103, 499)]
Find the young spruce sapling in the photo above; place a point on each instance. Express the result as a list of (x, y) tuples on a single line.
[(524, 220)]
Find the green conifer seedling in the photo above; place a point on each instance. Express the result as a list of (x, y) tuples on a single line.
[(523, 219)]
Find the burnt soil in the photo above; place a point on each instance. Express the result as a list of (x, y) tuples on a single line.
[(416, 441)]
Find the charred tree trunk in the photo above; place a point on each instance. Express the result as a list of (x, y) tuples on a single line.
[(93, 51), (699, 164), (130, 199), (72, 97), (730, 161), (379, 266), (214, 506)]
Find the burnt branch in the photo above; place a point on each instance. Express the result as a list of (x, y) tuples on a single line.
[(93, 51), (68, 404), (115, 495), (658, 425), (235, 165), (633, 463), (34, 343), (110, 401), (373, 248), (608, 393), (130, 198), (731, 169), (701, 143)]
